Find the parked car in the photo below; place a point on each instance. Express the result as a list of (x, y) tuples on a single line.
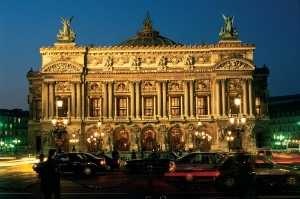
[(76, 163), (155, 162), (224, 169), (111, 162)]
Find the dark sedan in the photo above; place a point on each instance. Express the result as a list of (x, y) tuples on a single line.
[(112, 163), (225, 170), (155, 162), (77, 163)]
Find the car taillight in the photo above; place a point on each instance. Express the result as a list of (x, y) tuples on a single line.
[(119, 161)]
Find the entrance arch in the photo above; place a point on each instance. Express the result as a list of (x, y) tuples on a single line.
[(122, 138), (148, 142), (176, 143)]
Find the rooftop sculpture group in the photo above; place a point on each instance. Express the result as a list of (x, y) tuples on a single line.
[(228, 32)]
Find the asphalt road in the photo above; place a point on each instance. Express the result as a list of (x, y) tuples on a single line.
[(20, 182)]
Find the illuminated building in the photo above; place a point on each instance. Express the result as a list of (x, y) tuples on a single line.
[(148, 92)]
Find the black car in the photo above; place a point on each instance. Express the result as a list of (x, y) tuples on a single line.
[(225, 170), (155, 162), (112, 163), (76, 163)]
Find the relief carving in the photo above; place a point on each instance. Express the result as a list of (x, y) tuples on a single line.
[(62, 87), (203, 85), (175, 86), (234, 84), (148, 86), (94, 87), (121, 87)]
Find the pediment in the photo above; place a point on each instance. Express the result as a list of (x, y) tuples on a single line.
[(66, 67), (232, 64)]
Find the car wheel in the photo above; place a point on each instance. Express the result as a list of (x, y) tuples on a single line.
[(229, 182), (87, 170), (292, 181)]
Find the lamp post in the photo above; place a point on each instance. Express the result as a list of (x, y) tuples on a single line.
[(96, 139), (59, 125), (237, 122), (229, 139), (202, 140), (74, 141)]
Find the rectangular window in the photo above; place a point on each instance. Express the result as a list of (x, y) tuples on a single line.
[(175, 106), (95, 107), (201, 105), (233, 108), (122, 106), (149, 106)]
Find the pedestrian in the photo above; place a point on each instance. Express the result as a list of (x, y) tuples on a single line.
[(50, 179), (41, 157), (133, 155), (247, 180)]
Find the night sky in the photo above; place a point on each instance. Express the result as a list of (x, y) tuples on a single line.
[(25, 26)]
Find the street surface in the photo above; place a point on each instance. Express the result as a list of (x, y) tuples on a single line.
[(21, 182)]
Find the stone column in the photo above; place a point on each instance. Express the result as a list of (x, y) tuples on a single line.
[(110, 100), (105, 103), (78, 100), (45, 100), (245, 98), (132, 99), (51, 101), (164, 100), (192, 109), (186, 99), (73, 98), (223, 97), (138, 95), (159, 102), (217, 98), (250, 97)]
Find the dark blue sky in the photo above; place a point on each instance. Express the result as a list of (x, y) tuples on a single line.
[(25, 26)]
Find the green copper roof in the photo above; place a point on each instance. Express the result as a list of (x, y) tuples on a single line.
[(148, 37)]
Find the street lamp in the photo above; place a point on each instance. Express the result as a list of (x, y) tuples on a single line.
[(238, 122), (74, 141), (95, 139), (59, 125), (229, 138), (204, 138)]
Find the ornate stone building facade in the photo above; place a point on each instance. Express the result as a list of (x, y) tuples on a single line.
[(148, 93)]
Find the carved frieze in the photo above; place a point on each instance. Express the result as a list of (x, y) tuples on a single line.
[(93, 87), (121, 87), (203, 85), (234, 84), (62, 67), (62, 87), (235, 64), (175, 86), (148, 86)]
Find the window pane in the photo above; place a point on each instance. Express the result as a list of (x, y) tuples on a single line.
[(95, 107), (122, 106), (175, 106), (149, 103), (201, 105)]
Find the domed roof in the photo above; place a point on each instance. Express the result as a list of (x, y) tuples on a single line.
[(148, 37)]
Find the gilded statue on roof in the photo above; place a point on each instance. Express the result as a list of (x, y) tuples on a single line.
[(66, 34), (228, 32)]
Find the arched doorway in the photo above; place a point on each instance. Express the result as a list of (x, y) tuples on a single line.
[(121, 142), (148, 140), (176, 143)]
